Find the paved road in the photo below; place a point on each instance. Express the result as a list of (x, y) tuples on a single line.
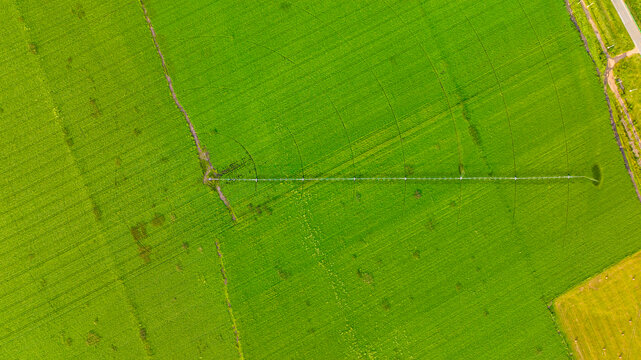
[(628, 21)]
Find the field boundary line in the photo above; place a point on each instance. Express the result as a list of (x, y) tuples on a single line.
[(229, 309), (203, 154)]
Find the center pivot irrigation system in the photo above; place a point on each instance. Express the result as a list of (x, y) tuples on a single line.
[(414, 179), (217, 178)]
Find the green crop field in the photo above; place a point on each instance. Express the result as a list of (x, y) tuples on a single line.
[(114, 248)]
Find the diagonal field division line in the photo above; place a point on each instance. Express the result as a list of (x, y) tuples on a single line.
[(209, 169), (203, 155), (234, 324)]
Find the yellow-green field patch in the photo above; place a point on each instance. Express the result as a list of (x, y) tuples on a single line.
[(601, 316)]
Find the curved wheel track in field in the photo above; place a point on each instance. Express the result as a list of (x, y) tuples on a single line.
[(398, 128), (449, 107), (558, 101)]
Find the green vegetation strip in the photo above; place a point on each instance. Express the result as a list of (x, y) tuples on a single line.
[(113, 247), (615, 36), (635, 9)]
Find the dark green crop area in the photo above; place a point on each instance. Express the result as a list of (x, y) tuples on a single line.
[(112, 247)]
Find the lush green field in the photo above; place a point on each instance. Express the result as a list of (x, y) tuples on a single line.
[(93, 147), (110, 237)]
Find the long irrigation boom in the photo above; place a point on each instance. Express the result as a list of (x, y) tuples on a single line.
[(413, 179)]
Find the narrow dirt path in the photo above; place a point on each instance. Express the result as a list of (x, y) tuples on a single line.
[(628, 21), (211, 175), (594, 28), (617, 138), (630, 128)]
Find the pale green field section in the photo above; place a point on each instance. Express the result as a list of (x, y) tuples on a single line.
[(92, 149), (110, 235)]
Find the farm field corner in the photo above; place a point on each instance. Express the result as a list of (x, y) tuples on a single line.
[(115, 249), (601, 315)]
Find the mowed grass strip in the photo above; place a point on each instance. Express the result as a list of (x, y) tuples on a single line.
[(629, 71), (635, 9), (614, 34), (601, 316)]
